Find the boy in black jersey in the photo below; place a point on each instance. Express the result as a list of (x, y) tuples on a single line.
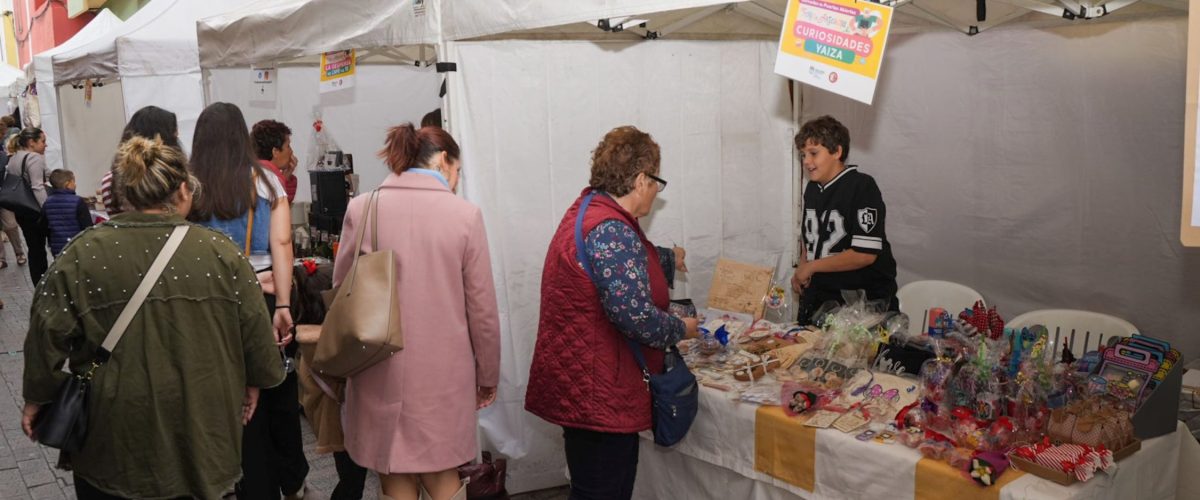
[(844, 246)]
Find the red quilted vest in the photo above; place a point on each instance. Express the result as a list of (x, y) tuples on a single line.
[(584, 374)]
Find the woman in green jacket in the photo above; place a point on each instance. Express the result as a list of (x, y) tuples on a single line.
[(167, 410)]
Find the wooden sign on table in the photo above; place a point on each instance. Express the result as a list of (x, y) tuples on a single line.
[(739, 287)]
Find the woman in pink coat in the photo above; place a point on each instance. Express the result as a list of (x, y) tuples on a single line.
[(411, 418)]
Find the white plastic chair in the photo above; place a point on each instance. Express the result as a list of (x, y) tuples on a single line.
[(918, 297), (1081, 330)]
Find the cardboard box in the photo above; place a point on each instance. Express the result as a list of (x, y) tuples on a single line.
[(1156, 417), (1061, 477)]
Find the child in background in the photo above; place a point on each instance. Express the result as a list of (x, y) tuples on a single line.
[(66, 213)]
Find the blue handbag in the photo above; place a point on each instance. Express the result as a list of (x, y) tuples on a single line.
[(674, 394)]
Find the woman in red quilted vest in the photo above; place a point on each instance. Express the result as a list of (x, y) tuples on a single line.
[(584, 375)]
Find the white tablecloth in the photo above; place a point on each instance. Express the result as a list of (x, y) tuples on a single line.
[(716, 460)]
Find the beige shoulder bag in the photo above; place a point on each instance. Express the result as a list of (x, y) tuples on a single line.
[(362, 326)]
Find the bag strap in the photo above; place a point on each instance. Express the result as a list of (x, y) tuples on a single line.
[(24, 172), (581, 255), (139, 295), (372, 207)]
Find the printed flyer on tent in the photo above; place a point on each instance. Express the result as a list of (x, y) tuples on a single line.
[(337, 70), (836, 45)]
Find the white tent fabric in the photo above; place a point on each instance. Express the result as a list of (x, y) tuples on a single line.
[(357, 118), (283, 30), (14, 80), (289, 29), (91, 132), (997, 178), (11, 78), (41, 69), (723, 121), (465, 19), (159, 62), (98, 57)]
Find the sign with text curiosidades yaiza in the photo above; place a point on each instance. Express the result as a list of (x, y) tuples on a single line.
[(836, 45)]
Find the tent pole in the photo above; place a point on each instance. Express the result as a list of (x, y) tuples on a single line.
[(797, 173), (205, 82), (993, 22), (62, 131)]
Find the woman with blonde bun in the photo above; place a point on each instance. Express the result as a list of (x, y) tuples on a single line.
[(167, 409)]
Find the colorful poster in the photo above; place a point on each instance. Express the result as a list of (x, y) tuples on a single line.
[(836, 45), (337, 70)]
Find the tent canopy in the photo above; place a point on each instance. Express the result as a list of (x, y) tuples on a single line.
[(42, 67), (167, 46), (43, 70), (11, 78), (286, 30), (97, 58)]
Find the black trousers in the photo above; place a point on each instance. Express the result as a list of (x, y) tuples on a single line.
[(85, 491), (273, 461), (352, 478), (603, 465), (36, 233)]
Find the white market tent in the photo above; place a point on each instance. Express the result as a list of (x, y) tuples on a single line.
[(50, 111), (159, 62), (537, 83), (12, 79), (149, 59)]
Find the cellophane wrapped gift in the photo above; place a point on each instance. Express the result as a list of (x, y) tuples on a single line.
[(1080, 461), (1092, 422)]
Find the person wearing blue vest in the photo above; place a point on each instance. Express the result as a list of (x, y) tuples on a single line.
[(66, 212), (251, 207)]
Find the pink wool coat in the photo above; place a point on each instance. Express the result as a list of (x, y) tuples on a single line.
[(415, 412)]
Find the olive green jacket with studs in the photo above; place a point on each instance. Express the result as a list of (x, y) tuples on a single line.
[(165, 411)]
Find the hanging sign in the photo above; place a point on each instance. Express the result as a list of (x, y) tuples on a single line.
[(337, 70), (262, 84), (836, 45)]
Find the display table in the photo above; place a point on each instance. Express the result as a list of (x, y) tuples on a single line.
[(717, 460)]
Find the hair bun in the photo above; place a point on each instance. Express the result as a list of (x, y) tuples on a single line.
[(135, 157)]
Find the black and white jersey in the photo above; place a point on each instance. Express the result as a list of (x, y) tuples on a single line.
[(848, 212)]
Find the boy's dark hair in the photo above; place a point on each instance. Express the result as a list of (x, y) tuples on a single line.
[(826, 131), (59, 178)]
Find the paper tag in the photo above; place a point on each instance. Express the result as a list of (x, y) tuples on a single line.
[(850, 422), (822, 419)]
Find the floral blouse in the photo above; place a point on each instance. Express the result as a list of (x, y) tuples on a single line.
[(618, 261)]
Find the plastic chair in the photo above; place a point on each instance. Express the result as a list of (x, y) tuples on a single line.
[(1081, 330), (918, 297)]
